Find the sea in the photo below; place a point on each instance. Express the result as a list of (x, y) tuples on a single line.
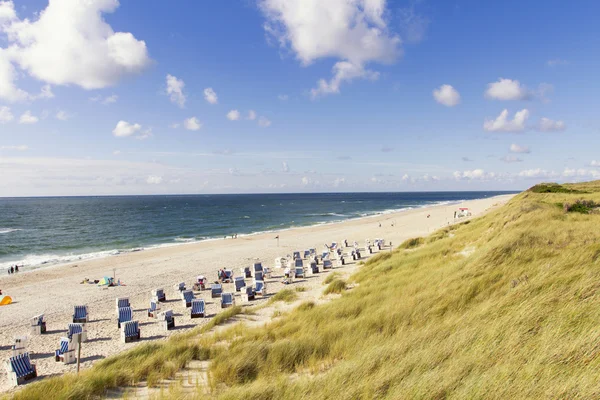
[(44, 231)]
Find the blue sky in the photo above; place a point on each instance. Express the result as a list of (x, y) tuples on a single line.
[(86, 106)]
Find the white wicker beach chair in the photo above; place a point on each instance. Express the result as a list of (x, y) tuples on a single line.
[(130, 331), (77, 328), (159, 294), (38, 325), (167, 320), (154, 308), (66, 351), (197, 310), (187, 297), (122, 302), (80, 314), (260, 288), (247, 294), (239, 283), (227, 300), (20, 369), (125, 315), (215, 290)]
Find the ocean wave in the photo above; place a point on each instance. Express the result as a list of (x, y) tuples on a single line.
[(8, 230)]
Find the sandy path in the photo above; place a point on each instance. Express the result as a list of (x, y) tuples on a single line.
[(55, 290)]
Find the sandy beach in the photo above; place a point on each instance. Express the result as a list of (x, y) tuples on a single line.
[(55, 290)]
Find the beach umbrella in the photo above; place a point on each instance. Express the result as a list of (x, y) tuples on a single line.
[(5, 300), (105, 281)]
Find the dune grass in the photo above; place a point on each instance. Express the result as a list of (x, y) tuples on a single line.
[(517, 317), (336, 286), (285, 295), (330, 278)]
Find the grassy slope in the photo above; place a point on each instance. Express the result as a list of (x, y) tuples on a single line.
[(505, 306)]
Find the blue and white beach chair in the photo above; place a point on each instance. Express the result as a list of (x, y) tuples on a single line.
[(180, 287), (227, 300), (239, 283), (187, 297), (296, 255), (247, 294), (20, 369), (154, 308), (215, 290), (257, 268), (130, 331), (314, 268), (160, 295), (306, 254), (327, 264), (167, 319), (198, 308), (246, 272), (261, 288), (38, 325), (258, 276), (66, 351), (122, 302), (77, 328), (80, 314), (299, 272), (125, 315)]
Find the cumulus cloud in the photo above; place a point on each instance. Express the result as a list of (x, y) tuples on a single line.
[(537, 173), (105, 100), (507, 89), (251, 115), (154, 180), (446, 95), (503, 124), (285, 167), (305, 181), (595, 163), (352, 31), (192, 124), (124, 129), (515, 148), (264, 122), (233, 115), (175, 90), (210, 96), (28, 118), (412, 25), (548, 125), (476, 174), (6, 114), (68, 43), (581, 173), (62, 115)]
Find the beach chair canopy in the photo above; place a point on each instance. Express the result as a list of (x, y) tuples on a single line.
[(188, 296), (227, 298), (123, 302), (197, 306), (249, 290), (80, 312), (327, 264), (296, 254), (258, 275), (21, 365), (260, 285), (74, 328), (258, 266), (64, 346), (130, 328), (181, 286), (125, 314), (153, 305), (298, 263), (239, 282), (37, 320)]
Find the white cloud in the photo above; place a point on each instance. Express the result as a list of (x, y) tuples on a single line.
[(45, 93), (264, 122), (548, 125), (581, 173), (5, 114), (337, 182), (62, 115), (352, 31), (110, 99), (124, 129), (252, 115), (595, 163), (175, 125), (233, 115), (469, 175), (147, 133), (175, 90), (511, 159), (343, 71), (28, 118), (556, 62), (412, 26), (283, 97), (446, 95), (507, 89), (306, 181), (192, 124), (503, 124), (285, 167), (210, 96), (154, 180), (537, 173), (68, 43), (21, 147), (515, 148)]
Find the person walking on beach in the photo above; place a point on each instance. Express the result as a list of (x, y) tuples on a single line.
[(16, 268), (12, 270)]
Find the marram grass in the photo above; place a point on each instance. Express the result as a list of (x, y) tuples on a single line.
[(506, 306)]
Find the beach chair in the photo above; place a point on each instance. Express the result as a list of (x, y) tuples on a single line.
[(306, 254), (314, 268), (247, 294), (154, 308), (167, 320), (187, 298), (239, 283), (75, 329), (180, 287), (246, 272), (130, 331), (20, 369), (125, 315), (197, 310), (66, 351), (20, 345), (333, 246), (259, 276), (340, 262), (327, 264), (299, 272), (260, 288), (80, 314), (325, 255), (313, 252), (38, 325), (296, 255), (228, 276), (215, 290), (257, 268), (122, 302), (227, 300), (159, 294)]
